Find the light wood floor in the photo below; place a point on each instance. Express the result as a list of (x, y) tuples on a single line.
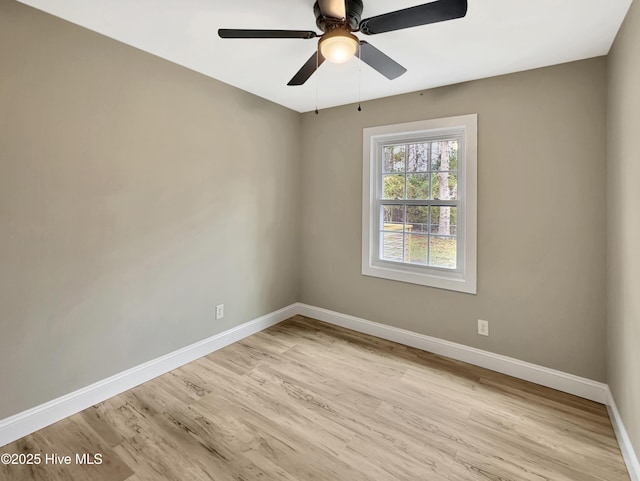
[(307, 401)]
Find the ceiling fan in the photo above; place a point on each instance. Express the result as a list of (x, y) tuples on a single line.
[(339, 19)]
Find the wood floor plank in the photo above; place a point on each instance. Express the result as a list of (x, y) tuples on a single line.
[(306, 401)]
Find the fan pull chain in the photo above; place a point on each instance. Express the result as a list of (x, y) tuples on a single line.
[(359, 76), (317, 66)]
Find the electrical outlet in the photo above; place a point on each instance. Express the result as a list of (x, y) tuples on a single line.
[(219, 311), (483, 327)]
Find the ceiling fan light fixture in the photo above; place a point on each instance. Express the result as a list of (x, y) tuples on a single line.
[(338, 46)]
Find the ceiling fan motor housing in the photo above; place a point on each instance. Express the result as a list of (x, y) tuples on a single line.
[(354, 14)]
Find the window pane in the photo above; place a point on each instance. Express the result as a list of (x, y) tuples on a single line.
[(393, 186), (416, 249), (393, 217), (418, 186), (392, 246), (444, 155), (453, 155), (442, 252), (417, 157), (444, 186), (417, 219), (393, 157), (435, 156), (444, 220)]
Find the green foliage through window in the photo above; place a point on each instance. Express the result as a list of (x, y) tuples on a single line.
[(420, 234)]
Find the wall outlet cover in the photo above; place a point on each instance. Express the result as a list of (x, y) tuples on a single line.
[(483, 327)]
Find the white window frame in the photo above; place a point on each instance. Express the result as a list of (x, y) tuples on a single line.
[(465, 128)]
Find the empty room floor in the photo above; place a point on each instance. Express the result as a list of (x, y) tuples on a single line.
[(304, 400)]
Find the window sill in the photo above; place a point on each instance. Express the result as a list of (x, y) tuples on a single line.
[(453, 281)]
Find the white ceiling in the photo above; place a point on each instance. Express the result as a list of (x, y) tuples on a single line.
[(496, 37)]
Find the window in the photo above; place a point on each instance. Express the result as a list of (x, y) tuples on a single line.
[(419, 202)]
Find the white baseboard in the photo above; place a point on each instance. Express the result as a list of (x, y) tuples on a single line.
[(628, 453), (586, 388), (29, 421)]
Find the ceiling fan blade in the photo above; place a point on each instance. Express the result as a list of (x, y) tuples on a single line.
[(247, 33), (379, 61), (333, 8), (307, 69), (433, 12)]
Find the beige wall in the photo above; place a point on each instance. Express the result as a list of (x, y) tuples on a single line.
[(135, 195), (541, 221), (623, 241)]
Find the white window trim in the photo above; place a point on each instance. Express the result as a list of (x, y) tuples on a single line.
[(462, 279)]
